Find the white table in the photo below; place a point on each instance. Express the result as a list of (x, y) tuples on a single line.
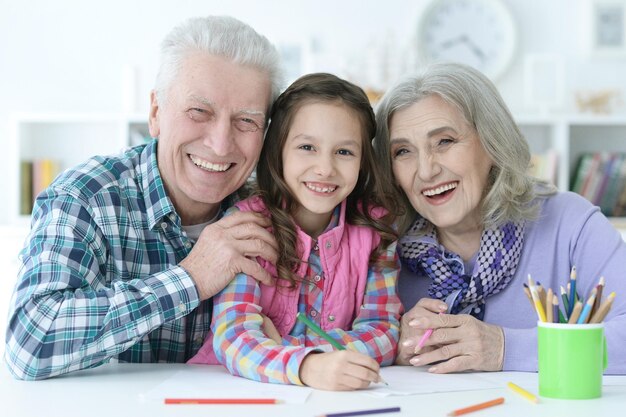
[(120, 390)]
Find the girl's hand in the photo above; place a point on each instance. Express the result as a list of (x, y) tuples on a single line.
[(458, 343), (341, 370), (410, 335)]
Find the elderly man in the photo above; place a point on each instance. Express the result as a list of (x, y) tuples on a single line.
[(125, 252)]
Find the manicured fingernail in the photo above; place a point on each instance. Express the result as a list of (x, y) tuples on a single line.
[(443, 307), (415, 361), (415, 322), (408, 343), (432, 369)]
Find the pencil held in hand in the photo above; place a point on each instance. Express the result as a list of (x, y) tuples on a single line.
[(321, 333), (318, 331)]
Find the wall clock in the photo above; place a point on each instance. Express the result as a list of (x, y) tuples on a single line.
[(479, 33)]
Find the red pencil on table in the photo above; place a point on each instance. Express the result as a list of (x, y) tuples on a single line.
[(221, 401)]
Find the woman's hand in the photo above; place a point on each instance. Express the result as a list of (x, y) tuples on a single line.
[(410, 335), (458, 342), (341, 370)]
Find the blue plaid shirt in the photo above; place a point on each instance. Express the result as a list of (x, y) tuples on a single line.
[(99, 278)]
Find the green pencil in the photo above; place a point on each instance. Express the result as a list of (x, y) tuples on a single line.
[(321, 333), (318, 330)]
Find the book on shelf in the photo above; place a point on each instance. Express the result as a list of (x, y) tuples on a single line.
[(615, 183), (35, 176), (580, 173), (600, 177), (26, 187)]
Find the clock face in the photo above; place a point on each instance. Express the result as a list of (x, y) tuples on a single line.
[(479, 33)]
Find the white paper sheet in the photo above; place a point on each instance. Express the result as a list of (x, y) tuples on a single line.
[(200, 381), (408, 380)]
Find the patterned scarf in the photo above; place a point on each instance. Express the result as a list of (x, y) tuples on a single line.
[(497, 261)]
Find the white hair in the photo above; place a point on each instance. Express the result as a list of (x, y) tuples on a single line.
[(222, 36), (511, 191)]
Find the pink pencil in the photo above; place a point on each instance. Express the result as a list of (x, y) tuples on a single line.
[(424, 338)]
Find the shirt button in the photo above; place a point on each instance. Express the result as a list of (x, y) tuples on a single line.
[(172, 217), (317, 278), (198, 341), (313, 313), (164, 225), (188, 245), (182, 308), (316, 247), (331, 318), (329, 245)]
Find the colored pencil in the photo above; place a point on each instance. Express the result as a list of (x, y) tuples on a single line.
[(321, 333), (538, 307), (477, 407), (521, 391), (221, 401), (562, 318), (424, 337), (363, 412), (565, 301), (556, 313), (584, 315), (573, 318), (599, 315), (318, 330), (528, 294), (572, 290), (542, 295), (549, 307), (596, 304)]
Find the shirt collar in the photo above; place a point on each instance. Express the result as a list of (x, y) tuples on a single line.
[(155, 197)]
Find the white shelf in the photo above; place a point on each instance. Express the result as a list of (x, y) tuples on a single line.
[(571, 136), (69, 139), (73, 137)]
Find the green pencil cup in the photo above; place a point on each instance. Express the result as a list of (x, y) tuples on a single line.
[(572, 358)]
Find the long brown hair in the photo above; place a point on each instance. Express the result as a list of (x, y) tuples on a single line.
[(372, 186)]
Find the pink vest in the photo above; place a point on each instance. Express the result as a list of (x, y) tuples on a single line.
[(344, 256)]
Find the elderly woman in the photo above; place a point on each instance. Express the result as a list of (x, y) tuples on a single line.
[(476, 225)]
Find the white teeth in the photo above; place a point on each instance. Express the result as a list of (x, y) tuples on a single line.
[(208, 165), (320, 189), (439, 190)]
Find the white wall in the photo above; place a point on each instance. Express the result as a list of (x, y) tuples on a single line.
[(70, 55)]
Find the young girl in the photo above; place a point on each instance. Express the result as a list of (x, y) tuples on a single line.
[(331, 216)]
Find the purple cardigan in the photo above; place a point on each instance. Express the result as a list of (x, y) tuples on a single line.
[(569, 231)]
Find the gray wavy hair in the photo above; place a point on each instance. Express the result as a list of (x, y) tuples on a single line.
[(511, 192), (222, 36)]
